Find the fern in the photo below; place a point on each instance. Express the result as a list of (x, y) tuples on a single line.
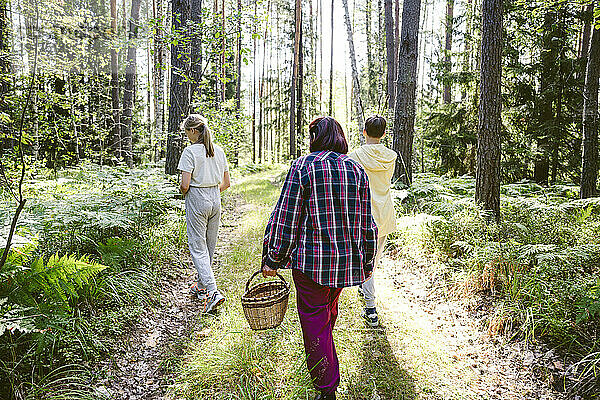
[(61, 278)]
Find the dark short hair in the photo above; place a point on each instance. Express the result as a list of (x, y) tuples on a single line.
[(375, 126), (327, 134)]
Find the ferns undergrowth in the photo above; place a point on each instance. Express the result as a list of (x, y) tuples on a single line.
[(542, 260), (91, 245)]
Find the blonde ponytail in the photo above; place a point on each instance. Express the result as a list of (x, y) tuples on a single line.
[(198, 122)]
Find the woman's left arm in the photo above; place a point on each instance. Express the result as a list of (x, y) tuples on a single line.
[(281, 234), (186, 178), (369, 227)]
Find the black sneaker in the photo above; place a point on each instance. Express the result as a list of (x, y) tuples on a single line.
[(370, 317)]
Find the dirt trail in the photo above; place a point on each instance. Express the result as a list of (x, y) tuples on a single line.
[(141, 370), (440, 340), (446, 340)]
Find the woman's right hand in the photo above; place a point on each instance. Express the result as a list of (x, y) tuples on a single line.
[(266, 271)]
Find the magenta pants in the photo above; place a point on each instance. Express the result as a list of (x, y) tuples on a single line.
[(318, 310)]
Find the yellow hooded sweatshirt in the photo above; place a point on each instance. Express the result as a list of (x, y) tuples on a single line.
[(379, 162)]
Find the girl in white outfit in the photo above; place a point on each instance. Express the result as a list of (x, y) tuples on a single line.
[(204, 175)]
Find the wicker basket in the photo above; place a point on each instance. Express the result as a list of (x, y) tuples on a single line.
[(265, 303)]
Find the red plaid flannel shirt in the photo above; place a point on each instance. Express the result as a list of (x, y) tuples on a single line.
[(322, 224)]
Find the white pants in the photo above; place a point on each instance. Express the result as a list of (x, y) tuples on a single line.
[(202, 216), (368, 286)]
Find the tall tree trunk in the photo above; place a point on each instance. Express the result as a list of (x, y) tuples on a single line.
[(405, 108), (331, 66), (179, 93), (238, 62), (114, 86), (397, 32), (390, 53), (298, 21), (355, 79), (299, 89), (254, 58), (320, 56), (466, 65), (549, 56), (589, 169), (195, 52), (223, 51), (370, 88), (159, 76), (448, 52), (586, 32), (261, 91), (5, 25), (130, 84), (487, 186)]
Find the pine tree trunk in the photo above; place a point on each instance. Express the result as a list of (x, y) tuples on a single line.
[(238, 62), (298, 21), (589, 169), (254, 58), (390, 55), (114, 87), (130, 84), (195, 52), (370, 88), (355, 79), (179, 93), (549, 56), (448, 52), (405, 108), (5, 24), (299, 90), (487, 186), (331, 66), (223, 51), (396, 32), (261, 92), (159, 77)]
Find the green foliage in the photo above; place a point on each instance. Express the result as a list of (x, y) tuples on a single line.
[(542, 257), (94, 239)]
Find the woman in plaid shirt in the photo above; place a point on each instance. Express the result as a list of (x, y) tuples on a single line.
[(322, 228)]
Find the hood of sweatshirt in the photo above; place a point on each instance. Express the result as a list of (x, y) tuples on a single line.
[(375, 157)]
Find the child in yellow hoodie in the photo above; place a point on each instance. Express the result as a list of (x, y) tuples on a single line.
[(378, 162)]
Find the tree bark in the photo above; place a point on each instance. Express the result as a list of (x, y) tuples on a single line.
[(299, 90), (589, 169), (448, 52), (5, 24), (179, 96), (487, 186), (195, 52), (238, 84), (114, 87), (130, 84), (159, 76), (370, 88), (298, 21), (254, 84), (223, 51), (549, 56), (396, 32), (405, 108), (355, 79), (331, 67), (390, 55)]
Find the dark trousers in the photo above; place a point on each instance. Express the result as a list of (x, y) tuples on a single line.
[(318, 310)]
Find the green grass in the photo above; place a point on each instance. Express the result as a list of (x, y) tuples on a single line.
[(227, 360)]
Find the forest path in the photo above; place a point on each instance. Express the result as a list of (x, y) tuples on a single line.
[(429, 346), (145, 367), (445, 340)]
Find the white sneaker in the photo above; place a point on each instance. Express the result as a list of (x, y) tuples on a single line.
[(214, 300)]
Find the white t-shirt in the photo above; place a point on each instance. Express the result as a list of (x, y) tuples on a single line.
[(206, 171)]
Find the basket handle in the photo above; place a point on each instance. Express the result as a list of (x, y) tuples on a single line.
[(258, 272)]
